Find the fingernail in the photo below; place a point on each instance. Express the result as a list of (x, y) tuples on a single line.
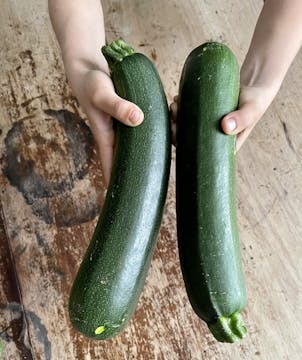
[(231, 124), (135, 117)]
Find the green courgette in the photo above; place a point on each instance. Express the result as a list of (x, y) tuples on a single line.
[(209, 249), (108, 284)]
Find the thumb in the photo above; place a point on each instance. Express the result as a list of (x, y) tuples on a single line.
[(120, 109), (239, 120)]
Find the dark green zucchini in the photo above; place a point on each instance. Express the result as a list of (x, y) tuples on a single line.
[(111, 277), (205, 186)]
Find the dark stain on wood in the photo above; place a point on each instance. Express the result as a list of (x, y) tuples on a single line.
[(27, 57), (16, 331), (287, 137), (28, 151), (45, 165), (6, 267), (75, 211), (41, 209), (42, 243), (20, 336), (79, 136), (142, 44), (153, 54), (41, 334)]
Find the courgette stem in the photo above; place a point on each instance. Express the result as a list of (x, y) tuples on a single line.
[(228, 328), (116, 52)]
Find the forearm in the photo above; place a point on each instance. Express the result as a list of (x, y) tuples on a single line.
[(79, 27), (276, 41)]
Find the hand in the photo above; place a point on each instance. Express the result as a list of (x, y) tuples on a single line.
[(95, 93), (253, 102)]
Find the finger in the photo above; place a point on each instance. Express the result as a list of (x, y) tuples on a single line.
[(173, 122), (175, 99), (239, 120), (173, 133), (124, 111), (173, 112), (101, 126)]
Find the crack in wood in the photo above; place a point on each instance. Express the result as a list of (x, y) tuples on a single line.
[(287, 137), (20, 336), (39, 329), (28, 101), (13, 101)]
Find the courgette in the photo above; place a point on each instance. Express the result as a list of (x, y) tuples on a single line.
[(209, 248), (108, 284)]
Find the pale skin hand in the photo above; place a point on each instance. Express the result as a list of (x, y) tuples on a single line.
[(79, 27), (276, 41)]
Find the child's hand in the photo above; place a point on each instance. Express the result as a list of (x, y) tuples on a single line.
[(95, 93), (279, 27), (79, 27), (253, 102)]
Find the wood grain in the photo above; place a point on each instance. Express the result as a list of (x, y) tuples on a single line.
[(52, 191)]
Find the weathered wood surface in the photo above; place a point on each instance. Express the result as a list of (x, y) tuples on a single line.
[(52, 191)]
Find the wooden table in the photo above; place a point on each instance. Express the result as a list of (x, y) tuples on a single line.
[(52, 192)]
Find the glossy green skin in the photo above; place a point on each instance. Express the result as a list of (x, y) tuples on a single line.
[(111, 277), (205, 184)]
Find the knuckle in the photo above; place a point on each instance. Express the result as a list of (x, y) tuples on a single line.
[(96, 97), (121, 110)]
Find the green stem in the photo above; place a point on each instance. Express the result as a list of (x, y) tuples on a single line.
[(116, 52), (228, 328)]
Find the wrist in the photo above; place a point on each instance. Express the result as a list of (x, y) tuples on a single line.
[(259, 70), (77, 67), (275, 42)]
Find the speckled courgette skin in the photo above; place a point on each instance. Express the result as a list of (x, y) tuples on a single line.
[(112, 274), (205, 186)]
